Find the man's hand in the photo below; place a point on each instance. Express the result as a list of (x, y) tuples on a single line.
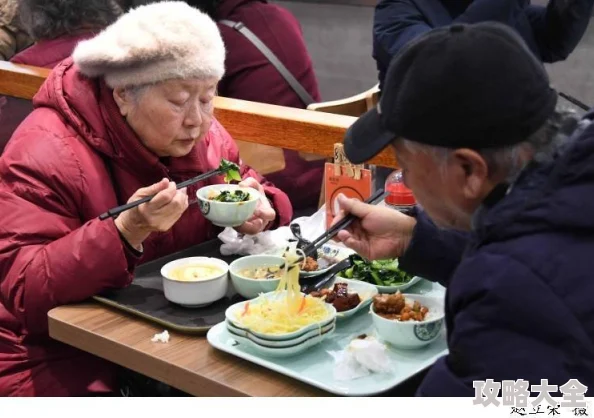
[(378, 233)]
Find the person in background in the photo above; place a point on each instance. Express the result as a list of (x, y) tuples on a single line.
[(552, 32), (250, 76), (109, 128), (57, 26), (13, 37), (506, 182)]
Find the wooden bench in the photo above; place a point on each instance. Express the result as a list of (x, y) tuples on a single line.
[(301, 130), (351, 106)]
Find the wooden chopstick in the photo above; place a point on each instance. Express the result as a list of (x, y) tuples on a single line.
[(112, 213)]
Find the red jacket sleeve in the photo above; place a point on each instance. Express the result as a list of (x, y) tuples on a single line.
[(279, 200), (48, 256)]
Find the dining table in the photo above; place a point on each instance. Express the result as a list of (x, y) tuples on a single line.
[(186, 362)]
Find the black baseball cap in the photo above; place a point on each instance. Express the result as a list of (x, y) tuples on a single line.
[(463, 86)]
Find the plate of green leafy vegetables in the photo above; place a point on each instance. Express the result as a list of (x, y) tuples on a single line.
[(386, 275)]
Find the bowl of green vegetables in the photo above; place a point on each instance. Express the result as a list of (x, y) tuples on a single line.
[(386, 275), (228, 205)]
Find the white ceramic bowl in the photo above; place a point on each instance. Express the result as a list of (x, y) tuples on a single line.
[(412, 334), (235, 310), (193, 294), (227, 214), (289, 351), (279, 344), (252, 288)]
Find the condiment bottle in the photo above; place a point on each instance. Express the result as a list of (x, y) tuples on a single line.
[(400, 197)]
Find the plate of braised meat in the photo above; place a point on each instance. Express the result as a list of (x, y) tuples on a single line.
[(348, 296)]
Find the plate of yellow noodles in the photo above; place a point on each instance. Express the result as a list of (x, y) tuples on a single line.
[(285, 313)]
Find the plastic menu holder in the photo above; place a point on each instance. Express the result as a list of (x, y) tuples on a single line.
[(342, 177)]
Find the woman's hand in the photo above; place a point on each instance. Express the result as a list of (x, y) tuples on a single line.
[(157, 215), (263, 215), (378, 233)]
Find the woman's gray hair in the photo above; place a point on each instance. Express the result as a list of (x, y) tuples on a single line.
[(136, 92), (511, 160), (50, 19)]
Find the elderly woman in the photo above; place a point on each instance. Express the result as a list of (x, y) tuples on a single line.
[(128, 116), (249, 75)]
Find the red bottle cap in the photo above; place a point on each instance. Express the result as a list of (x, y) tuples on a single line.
[(399, 195)]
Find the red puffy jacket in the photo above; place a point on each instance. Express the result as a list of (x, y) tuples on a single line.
[(71, 159)]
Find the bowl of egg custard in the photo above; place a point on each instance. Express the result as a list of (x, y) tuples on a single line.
[(194, 282)]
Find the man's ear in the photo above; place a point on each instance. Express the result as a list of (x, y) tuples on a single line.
[(475, 172), (123, 99)]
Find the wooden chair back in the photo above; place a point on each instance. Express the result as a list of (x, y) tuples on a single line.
[(355, 106), (302, 130), (351, 106)]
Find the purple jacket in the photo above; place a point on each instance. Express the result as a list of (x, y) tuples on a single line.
[(520, 286), (250, 76)]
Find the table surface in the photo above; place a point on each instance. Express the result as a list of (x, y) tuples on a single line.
[(187, 362)]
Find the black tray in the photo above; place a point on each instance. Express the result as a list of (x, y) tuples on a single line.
[(145, 298)]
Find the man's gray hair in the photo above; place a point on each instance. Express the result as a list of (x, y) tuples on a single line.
[(511, 160), (50, 19)]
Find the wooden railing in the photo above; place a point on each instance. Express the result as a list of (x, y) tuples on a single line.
[(283, 127)]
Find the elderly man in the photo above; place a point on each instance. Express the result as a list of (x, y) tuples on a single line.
[(506, 183)]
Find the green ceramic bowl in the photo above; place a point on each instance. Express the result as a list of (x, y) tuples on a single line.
[(251, 288)]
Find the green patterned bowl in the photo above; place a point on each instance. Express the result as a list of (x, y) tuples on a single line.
[(412, 334)]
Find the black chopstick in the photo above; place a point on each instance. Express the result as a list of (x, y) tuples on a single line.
[(344, 223), (375, 198), (112, 213), (574, 101)]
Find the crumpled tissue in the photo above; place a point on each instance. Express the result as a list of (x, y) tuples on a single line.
[(361, 358), (266, 242), (162, 337), (272, 242)]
